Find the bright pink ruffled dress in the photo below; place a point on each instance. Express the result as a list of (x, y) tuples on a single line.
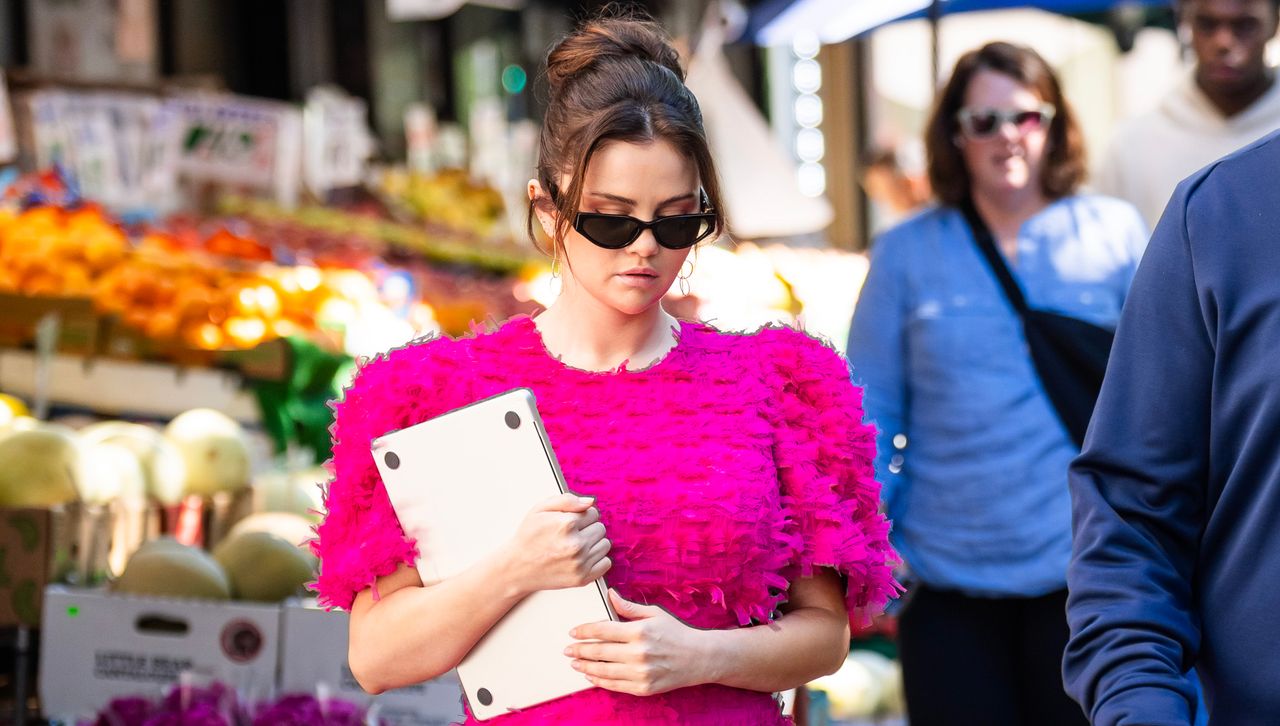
[(723, 472)]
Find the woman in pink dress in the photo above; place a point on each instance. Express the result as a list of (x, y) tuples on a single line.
[(722, 484)]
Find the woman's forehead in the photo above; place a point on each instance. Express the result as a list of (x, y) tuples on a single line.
[(652, 169), (993, 88)]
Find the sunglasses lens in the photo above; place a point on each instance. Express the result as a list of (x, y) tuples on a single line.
[(1030, 120), (683, 231), (607, 230), (983, 123)]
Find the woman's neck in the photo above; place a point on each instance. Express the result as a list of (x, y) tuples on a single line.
[(585, 334), (1006, 213)]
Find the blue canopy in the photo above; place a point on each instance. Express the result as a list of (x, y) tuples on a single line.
[(775, 21)]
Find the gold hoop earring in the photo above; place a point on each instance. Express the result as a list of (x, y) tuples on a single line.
[(683, 278)]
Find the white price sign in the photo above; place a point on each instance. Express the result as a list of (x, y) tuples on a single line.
[(337, 141), (242, 142), (120, 147)]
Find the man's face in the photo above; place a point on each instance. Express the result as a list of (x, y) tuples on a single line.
[(1229, 38)]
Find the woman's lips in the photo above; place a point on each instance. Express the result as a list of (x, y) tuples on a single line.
[(639, 277)]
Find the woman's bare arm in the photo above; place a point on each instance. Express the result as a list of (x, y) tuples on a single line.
[(411, 633)]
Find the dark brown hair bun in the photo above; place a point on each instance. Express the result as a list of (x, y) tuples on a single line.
[(604, 40)]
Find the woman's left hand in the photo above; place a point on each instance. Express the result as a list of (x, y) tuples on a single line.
[(653, 652)]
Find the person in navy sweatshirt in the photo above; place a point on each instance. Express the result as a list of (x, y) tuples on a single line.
[(1176, 496)]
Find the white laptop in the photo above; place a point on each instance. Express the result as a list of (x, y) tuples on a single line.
[(460, 484)]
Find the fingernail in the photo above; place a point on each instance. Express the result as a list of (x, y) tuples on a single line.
[(587, 500), (573, 633), (568, 652), (576, 665)]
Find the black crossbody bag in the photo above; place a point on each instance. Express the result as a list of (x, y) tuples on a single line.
[(1069, 354)]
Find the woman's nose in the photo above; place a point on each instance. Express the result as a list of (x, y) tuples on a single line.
[(1009, 130), (646, 245)]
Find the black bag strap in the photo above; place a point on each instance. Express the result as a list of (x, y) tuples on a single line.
[(987, 245)]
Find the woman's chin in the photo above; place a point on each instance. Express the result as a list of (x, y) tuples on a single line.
[(634, 309), (634, 305), (1008, 184)]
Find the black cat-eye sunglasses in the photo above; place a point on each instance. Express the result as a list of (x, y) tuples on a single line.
[(676, 232)]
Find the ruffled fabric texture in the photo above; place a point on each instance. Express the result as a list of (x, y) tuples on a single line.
[(826, 457), (360, 538), (731, 467)]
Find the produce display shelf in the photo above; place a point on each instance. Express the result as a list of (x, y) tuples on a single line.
[(119, 387)]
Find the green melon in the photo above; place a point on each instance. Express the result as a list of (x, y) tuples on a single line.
[(292, 528), (297, 491), (264, 567), (163, 467), (42, 466), (214, 449), (165, 568), (112, 473)]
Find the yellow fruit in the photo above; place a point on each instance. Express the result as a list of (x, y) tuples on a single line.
[(11, 407), (204, 336), (245, 332), (162, 325)]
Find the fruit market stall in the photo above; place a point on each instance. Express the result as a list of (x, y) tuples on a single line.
[(218, 341)]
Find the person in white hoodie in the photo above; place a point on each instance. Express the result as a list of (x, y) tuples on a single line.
[(1229, 100)]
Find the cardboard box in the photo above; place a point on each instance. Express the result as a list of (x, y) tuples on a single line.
[(314, 657), (25, 559), (96, 646), (42, 545)]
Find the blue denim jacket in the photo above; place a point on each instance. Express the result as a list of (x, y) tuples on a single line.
[(972, 457)]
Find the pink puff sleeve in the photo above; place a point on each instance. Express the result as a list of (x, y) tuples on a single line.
[(825, 457), (360, 538)]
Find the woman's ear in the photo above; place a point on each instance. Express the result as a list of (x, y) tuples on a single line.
[(545, 218)]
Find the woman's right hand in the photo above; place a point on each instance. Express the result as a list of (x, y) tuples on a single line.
[(559, 544)]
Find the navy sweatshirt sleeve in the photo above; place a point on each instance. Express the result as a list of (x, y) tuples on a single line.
[(1138, 493)]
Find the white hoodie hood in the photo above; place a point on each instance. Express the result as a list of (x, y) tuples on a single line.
[(1151, 153)]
